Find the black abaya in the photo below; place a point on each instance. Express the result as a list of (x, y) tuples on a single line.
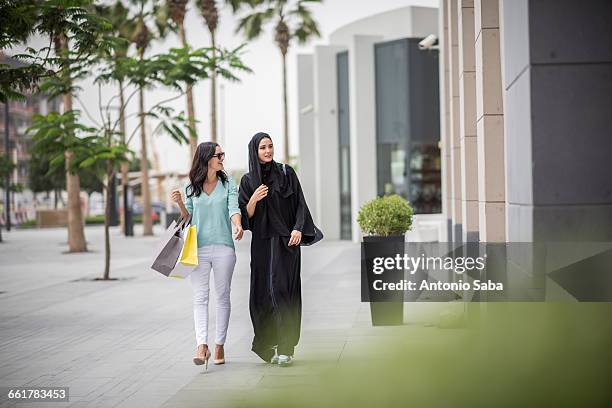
[(275, 297)]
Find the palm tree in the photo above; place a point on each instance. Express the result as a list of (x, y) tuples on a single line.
[(123, 27), (76, 227), (76, 36), (211, 17), (292, 19), (178, 9), (142, 37), (60, 21)]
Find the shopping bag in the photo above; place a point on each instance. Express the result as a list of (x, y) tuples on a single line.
[(189, 255), (170, 247), (182, 270)]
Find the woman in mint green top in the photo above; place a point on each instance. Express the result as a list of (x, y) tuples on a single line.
[(211, 213), (211, 197)]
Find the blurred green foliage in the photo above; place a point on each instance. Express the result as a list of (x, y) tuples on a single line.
[(512, 355)]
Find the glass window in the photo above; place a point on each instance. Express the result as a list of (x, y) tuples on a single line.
[(344, 145), (407, 124)]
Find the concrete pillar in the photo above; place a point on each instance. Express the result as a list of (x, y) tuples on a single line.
[(490, 123), (467, 119), (445, 107), (362, 97), (557, 65), (454, 136), (326, 140), (305, 95)]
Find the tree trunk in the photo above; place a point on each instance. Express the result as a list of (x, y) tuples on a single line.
[(124, 165), (213, 95), (285, 115), (147, 221), (193, 138), (76, 229), (107, 208)]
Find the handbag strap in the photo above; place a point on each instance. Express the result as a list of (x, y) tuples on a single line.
[(183, 222)]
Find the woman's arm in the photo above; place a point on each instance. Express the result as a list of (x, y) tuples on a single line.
[(238, 231), (250, 207), (259, 194), (234, 209), (178, 200)]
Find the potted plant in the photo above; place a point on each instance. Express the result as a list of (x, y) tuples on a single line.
[(384, 222)]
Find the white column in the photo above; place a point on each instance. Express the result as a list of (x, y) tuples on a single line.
[(362, 99), (490, 123), (326, 162), (306, 167)]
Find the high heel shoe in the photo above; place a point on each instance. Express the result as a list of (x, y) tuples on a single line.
[(219, 355), (198, 359)]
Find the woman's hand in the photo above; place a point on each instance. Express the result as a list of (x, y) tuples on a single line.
[(257, 196), (260, 193), (176, 196), (296, 238), (238, 232)]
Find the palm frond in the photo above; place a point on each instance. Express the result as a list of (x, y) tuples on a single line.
[(251, 25)]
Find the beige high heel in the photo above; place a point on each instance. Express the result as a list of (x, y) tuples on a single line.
[(219, 355), (198, 359)]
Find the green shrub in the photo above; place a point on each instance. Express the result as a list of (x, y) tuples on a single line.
[(138, 219), (94, 220), (387, 215), (27, 224)]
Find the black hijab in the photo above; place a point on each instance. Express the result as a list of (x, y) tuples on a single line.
[(276, 215), (269, 174)]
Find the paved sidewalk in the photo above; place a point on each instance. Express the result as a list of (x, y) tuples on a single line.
[(332, 313), (104, 340), (129, 342)]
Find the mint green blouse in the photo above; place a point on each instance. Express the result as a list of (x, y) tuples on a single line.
[(211, 213)]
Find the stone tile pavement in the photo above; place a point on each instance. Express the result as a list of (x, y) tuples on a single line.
[(129, 342)]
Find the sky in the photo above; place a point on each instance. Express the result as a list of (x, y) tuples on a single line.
[(255, 103)]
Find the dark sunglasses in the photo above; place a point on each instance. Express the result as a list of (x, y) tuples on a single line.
[(219, 155)]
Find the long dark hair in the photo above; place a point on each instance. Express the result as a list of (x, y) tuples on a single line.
[(199, 168)]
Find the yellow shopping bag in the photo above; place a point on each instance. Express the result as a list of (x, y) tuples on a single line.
[(189, 255)]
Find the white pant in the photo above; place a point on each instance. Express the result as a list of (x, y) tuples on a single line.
[(221, 259)]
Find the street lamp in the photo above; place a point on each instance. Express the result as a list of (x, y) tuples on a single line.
[(7, 187), (128, 224)]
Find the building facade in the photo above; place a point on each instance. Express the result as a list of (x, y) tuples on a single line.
[(19, 141), (369, 120), (524, 128), (526, 97)]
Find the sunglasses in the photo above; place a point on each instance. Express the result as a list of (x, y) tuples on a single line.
[(219, 155)]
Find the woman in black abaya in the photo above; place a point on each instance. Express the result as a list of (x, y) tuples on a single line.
[(274, 209)]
